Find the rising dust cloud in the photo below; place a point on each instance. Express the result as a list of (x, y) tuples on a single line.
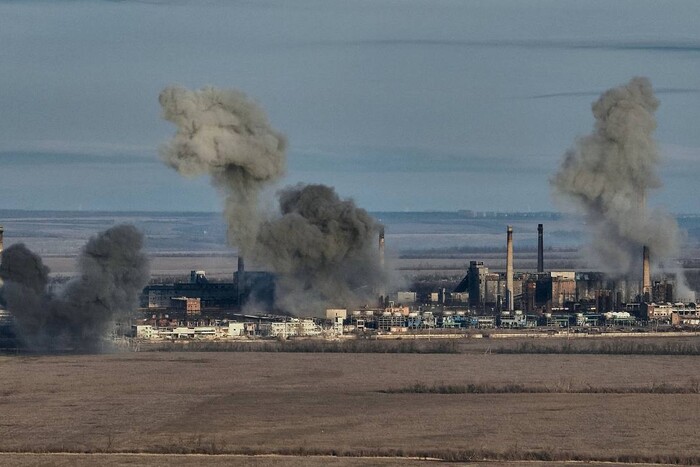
[(226, 135), (324, 249), (609, 173), (320, 247), (112, 272)]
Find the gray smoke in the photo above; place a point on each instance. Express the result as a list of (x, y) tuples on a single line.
[(323, 248), (224, 134), (609, 173), (112, 272)]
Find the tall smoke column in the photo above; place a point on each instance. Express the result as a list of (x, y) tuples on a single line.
[(509, 268), (113, 271), (610, 170), (646, 275), (323, 249), (540, 248), (224, 134)]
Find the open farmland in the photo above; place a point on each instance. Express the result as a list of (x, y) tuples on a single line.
[(322, 403)]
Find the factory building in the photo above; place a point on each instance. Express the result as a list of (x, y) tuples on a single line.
[(474, 283), (257, 286), (675, 313), (211, 295), (559, 291), (488, 290), (389, 321), (406, 297), (186, 306), (295, 327), (662, 291), (554, 291), (253, 285), (337, 316)]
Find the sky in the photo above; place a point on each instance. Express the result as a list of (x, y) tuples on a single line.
[(402, 105)]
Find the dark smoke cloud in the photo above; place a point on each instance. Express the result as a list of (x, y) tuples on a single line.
[(609, 173), (112, 272), (224, 134), (323, 248)]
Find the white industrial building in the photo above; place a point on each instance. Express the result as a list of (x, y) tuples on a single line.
[(229, 330), (405, 297), (305, 327)]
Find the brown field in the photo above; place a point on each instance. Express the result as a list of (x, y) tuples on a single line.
[(311, 403)]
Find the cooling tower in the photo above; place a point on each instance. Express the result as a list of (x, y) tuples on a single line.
[(509, 269)]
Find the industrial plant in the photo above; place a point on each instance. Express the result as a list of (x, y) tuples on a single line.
[(581, 301), (321, 272), (483, 301)]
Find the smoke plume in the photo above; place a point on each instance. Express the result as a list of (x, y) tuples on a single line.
[(608, 174), (323, 249), (112, 272), (224, 134)]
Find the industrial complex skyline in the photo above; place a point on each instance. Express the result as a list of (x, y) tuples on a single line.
[(349, 232), (403, 106)]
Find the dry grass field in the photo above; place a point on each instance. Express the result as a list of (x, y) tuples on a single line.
[(225, 460), (310, 403)]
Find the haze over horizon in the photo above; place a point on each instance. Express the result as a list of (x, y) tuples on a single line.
[(402, 105)]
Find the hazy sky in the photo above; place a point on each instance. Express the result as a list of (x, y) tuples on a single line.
[(400, 104)]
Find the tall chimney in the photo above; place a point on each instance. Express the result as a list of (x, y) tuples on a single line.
[(540, 248), (509, 269), (381, 291), (240, 279), (381, 247), (646, 275)]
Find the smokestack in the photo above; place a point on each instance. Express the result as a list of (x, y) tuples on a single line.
[(381, 247), (509, 269), (382, 291), (540, 248), (646, 275), (240, 279)]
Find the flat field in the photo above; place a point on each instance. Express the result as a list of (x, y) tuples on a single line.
[(321, 403)]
